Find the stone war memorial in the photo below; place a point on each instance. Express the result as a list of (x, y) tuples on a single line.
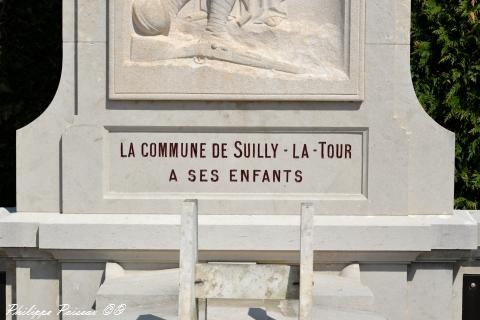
[(236, 159)]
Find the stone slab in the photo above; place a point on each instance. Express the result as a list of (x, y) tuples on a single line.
[(339, 293), (138, 289), (187, 305), (25, 234), (430, 288), (250, 164), (476, 215), (406, 153), (38, 150), (80, 282), (246, 281), (238, 233), (161, 232), (447, 230), (155, 292), (388, 283), (279, 310), (305, 309), (37, 286), (92, 26)]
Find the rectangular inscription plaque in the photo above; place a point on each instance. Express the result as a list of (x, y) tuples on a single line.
[(253, 163)]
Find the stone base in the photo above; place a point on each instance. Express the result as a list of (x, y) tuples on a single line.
[(406, 263)]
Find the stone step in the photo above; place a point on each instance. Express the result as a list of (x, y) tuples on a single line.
[(140, 289), (280, 310), (154, 295), (222, 312)]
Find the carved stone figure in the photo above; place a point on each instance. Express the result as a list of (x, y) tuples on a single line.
[(269, 12), (226, 34), (154, 17)]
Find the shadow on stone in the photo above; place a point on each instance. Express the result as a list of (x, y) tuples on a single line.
[(149, 317), (259, 314)]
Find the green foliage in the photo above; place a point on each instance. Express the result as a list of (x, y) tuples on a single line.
[(446, 74)]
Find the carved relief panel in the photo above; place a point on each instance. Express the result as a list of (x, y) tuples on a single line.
[(236, 49)]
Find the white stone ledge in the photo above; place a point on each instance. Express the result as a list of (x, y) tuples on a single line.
[(476, 216), (22, 233), (271, 233)]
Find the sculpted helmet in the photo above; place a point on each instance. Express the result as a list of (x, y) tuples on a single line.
[(153, 17)]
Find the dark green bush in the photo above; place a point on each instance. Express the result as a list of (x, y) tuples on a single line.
[(446, 74), (445, 70)]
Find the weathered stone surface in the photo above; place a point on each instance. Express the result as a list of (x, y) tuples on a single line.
[(398, 152), (321, 94), (140, 289), (187, 305), (238, 233), (37, 286), (307, 225), (388, 283), (247, 281), (79, 286), (429, 294), (277, 50), (334, 295)]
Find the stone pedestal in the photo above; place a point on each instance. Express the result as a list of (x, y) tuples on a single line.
[(283, 103)]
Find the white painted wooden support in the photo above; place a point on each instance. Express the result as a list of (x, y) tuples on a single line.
[(306, 262), (187, 306)]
